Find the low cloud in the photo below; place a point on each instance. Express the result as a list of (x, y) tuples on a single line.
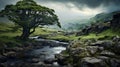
[(68, 10)]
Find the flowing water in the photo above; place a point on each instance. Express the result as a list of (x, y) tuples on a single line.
[(47, 52), (41, 54)]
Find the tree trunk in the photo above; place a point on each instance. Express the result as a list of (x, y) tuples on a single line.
[(25, 33)]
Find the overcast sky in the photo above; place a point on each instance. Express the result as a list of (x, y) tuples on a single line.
[(68, 10)]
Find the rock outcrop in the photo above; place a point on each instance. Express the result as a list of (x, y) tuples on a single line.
[(105, 53), (94, 28), (115, 22)]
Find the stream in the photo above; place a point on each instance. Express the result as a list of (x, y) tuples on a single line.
[(47, 52), (42, 56)]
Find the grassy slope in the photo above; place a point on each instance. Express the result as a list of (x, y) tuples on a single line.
[(53, 34), (108, 34), (7, 35)]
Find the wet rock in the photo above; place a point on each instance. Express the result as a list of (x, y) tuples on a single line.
[(15, 49), (39, 64), (37, 43), (49, 61), (10, 54), (13, 63), (61, 59), (114, 62), (34, 60), (3, 59), (27, 44), (1, 65), (107, 53), (116, 48), (92, 62)]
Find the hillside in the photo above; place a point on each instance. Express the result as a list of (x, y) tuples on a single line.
[(103, 17)]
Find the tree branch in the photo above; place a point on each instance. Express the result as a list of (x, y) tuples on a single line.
[(33, 30)]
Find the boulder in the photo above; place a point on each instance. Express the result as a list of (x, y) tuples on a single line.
[(13, 63), (107, 53), (92, 49), (1, 65), (39, 64), (15, 49), (92, 62), (114, 62), (116, 38), (104, 58), (116, 48), (3, 59), (61, 59), (107, 44), (10, 54), (49, 61), (33, 60), (78, 50)]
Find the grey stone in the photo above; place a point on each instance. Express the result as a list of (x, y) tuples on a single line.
[(92, 49), (92, 62), (107, 53)]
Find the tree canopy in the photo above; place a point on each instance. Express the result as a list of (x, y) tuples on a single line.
[(29, 15)]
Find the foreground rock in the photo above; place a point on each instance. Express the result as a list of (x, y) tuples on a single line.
[(92, 62), (105, 53)]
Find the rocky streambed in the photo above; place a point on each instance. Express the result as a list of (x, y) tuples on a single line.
[(51, 53), (36, 54)]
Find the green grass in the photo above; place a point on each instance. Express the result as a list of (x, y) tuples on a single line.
[(90, 36), (53, 34), (43, 31), (109, 33), (7, 35), (62, 37)]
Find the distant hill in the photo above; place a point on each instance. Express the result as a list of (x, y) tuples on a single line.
[(80, 24), (103, 17), (75, 25)]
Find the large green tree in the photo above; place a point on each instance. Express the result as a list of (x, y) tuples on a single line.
[(29, 15)]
